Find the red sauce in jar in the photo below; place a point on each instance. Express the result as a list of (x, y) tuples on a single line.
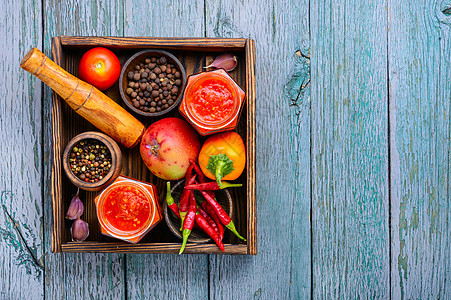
[(212, 100), (126, 208)]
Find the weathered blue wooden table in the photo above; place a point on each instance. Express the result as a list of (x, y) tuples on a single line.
[(353, 156)]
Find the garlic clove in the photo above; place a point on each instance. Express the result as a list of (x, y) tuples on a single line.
[(227, 61), (76, 207), (79, 230)]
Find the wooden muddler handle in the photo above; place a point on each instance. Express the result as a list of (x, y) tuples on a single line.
[(85, 99)]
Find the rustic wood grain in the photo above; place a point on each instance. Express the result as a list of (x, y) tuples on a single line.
[(167, 42), (57, 220), (281, 268), (171, 248), (163, 276), (21, 239), (251, 196), (78, 276), (420, 97), (350, 197)]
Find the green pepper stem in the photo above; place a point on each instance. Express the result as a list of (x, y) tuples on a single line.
[(226, 184), (186, 233), (169, 198), (182, 219), (218, 173), (231, 227)]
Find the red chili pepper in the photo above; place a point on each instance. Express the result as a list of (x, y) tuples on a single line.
[(211, 186), (203, 223), (198, 171), (207, 206), (184, 202), (223, 216), (170, 200), (211, 211), (207, 217), (188, 223), (189, 172)]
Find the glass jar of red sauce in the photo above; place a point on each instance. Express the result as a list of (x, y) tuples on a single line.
[(127, 209), (212, 102)]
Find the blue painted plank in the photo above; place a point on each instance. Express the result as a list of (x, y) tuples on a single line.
[(420, 97), (78, 276), (21, 239), (281, 269), (350, 196)]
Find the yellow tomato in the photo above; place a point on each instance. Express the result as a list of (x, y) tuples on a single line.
[(213, 150)]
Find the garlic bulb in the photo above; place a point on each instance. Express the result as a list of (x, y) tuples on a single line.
[(76, 207), (79, 230), (226, 61)]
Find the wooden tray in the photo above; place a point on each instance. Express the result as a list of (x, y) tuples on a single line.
[(194, 53)]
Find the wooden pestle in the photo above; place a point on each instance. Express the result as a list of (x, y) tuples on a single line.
[(85, 99)]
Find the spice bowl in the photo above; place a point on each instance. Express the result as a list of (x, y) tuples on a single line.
[(89, 165), (223, 197), (148, 87)]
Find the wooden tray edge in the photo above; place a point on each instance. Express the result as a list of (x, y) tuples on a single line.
[(206, 44), (164, 248), (56, 180), (251, 188)]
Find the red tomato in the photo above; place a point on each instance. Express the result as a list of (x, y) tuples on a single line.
[(99, 67)]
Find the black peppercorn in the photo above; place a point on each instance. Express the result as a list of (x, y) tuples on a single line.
[(85, 166), (153, 85)]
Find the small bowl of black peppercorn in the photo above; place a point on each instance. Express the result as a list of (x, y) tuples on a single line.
[(92, 160), (152, 82)]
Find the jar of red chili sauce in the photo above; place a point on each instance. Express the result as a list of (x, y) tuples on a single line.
[(212, 102), (127, 209)]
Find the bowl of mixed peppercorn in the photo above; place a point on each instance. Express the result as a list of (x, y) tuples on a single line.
[(152, 82), (92, 160)]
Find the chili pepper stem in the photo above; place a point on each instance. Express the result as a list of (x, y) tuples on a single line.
[(230, 185), (168, 193), (231, 227), (182, 219), (211, 186), (186, 233)]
